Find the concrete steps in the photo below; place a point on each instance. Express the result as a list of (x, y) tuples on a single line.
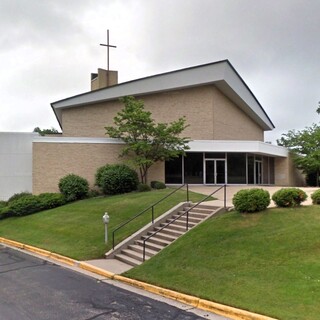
[(164, 234)]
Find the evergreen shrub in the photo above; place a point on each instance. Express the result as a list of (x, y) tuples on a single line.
[(74, 187), (289, 197), (118, 178), (157, 185), (142, 187), (316, 197), (251, 200), (18, 196)]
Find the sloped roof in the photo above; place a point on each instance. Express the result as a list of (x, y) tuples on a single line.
[(221, 74)]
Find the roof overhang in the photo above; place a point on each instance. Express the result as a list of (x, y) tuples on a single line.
[(220, 74), (256, 147)]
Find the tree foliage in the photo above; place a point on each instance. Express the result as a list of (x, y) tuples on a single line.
[(44, 132), (305, 146), (146, 141)]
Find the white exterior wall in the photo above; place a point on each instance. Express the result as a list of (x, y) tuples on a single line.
[(15, 163)]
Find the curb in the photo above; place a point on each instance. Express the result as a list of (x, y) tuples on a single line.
[(230, 312)]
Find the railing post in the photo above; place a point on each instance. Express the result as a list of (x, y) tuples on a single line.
[(187, 221), (187, 192), (152, 213), (144, 250), (225, 196)]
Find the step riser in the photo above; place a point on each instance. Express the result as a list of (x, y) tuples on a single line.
[(175, 227), (198, 210), (184, 223), (150, 245), (134, 255), (128, 261), (139, 250), (164, 236), (173, 233), (193, 215), (158, 242), (190, 219)]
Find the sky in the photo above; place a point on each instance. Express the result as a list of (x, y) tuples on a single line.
[(49, 48)]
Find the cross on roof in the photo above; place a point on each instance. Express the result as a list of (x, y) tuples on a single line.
[(108, 46)]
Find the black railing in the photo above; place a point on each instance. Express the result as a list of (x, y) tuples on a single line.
[(147, 209), (185, 213)]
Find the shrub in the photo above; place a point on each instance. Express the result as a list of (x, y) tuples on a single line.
[(142, 187), (73, 187), (18, 196), (3, 204), (251, 200), (25, 206), (51, 200), (316, 197), (157, 185), (93, 193), (99, 174), (118, 178), (289, 197)]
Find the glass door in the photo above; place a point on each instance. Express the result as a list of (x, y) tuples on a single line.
[(215, 171), (258, 171)]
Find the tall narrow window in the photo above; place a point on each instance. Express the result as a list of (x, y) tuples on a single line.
[(193, 168), (237, 168), (173, 170)]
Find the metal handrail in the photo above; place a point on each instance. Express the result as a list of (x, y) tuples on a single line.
[(145, 210), (182, 214)]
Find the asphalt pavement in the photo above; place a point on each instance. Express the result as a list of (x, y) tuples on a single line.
[(33, 288)]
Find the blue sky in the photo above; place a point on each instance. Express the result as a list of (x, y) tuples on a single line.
[(49, 48)]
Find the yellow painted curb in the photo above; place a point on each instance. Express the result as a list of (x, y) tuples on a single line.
[(91, 268), (42, 252), (12, 243), (233, 313), (60, 258), (230, 312)]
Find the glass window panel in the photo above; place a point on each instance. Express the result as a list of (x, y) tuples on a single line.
[(237, 172), (173, 170), (250, 169), (193, 168), (265, 170), (271, 168), (215, 155)]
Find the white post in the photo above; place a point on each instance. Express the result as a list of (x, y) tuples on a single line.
[(106, 220)]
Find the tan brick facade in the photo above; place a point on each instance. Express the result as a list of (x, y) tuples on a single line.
[(210, 115), (52, 161)]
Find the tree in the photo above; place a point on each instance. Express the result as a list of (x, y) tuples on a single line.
[(43, 132), (147, 141), (305, 146)]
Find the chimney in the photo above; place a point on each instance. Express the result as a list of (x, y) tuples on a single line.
[(103, 79)]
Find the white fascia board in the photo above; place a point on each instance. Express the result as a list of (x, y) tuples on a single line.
[(221, 74), (256, 147), (77, 140)]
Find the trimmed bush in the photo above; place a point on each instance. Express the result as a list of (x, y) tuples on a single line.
[(251, 200), (118, 178), (18, 196), (25, 206), (157, 185), (3, 204), (99, 174), (73, 187), (316, 197), (51, 200), (142, 187), (289, 197)]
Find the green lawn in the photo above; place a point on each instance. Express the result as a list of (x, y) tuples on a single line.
[(267, 263), (76, 230)]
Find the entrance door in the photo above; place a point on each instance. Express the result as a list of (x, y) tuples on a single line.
[(215, 171), (258, 172)]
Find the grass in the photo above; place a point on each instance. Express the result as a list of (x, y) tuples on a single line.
[(76, 230), (267, 263)]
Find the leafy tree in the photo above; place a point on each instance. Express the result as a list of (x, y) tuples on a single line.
[(43, 132), (146, 141), (305, 146)]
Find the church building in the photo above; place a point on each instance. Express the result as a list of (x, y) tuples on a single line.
[(226, 128)]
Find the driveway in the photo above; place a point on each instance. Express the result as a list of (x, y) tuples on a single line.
[(36, 289), (231, 190)]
